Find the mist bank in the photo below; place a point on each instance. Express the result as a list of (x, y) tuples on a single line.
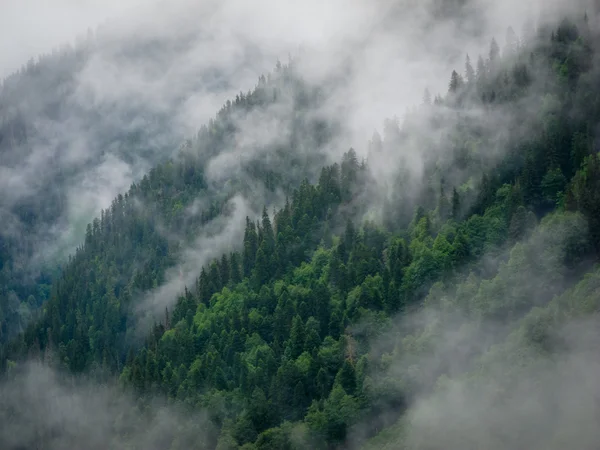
[(44, 406), (483, 209), (107, 104)]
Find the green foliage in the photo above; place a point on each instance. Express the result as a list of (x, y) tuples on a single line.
[(276, 337)]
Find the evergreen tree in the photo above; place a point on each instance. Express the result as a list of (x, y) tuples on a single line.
[(224, 270), (469, 71), (494, 53), (235, 273), (456, 82), (297, 337), (455, 204), (346, 377), (250, 247), (481, 70)]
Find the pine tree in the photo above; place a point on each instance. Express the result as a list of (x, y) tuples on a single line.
[(455, 204), (267, 232), (494, 53), (299, 400), (297, 337), (349, 236), (444, 208), (224, 270), (214, 277), (346, 377), (517, 225), (469, 71), (167, 319), (203, 287), (322, 383), (456, 82), (481, 70), (234, 265), (250, 247), (261, 271)]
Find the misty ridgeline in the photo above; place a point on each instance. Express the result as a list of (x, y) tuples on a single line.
[(279, 275)]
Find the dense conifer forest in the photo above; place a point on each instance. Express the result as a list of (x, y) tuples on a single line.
[(304, 300)]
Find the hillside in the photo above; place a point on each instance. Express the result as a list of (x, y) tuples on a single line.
[(81, 124), (259, 291)]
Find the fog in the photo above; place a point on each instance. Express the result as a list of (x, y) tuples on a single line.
[(32, 27), (46, 408), (152, 73), (474, 380), (219, 236)]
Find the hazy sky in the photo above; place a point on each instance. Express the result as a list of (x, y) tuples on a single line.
[(31, 27)]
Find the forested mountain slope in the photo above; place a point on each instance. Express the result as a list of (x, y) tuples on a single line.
[(144, 231), (77, 127), (405, 286)]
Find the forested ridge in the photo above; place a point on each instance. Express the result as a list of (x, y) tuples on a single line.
[(369, 302), (74, 130)]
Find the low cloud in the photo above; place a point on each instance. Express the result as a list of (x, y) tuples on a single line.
[(532, 401), (501, 361), (153, 72), (219, 236), (45, 408)]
